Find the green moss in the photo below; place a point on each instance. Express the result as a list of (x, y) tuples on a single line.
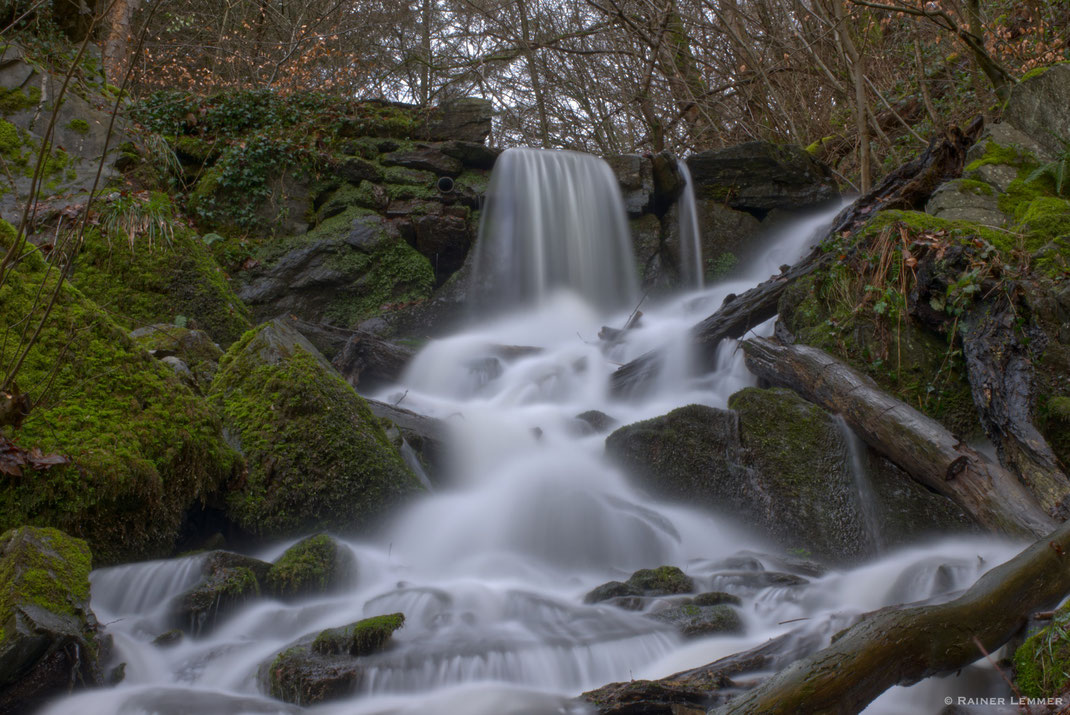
[(10, 141), (359, 639), (141, 284), (15, 100), (662, 580), (143, 446), (42, 567), (406, 176), (1004, 155), (309, 566), (1042, 663), (973, 186), (80, 126), (317, 457), (1035, 72)]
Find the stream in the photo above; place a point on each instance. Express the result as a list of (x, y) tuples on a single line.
[(491, 567)]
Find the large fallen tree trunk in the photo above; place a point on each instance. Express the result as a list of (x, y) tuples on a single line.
[(901, 645), (908, 187), (920, 445)]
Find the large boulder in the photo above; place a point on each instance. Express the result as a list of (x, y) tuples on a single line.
[(342, 272), (171, 278), (316, 457), (195, 349), (48, 635), (1037, 106), (144, 448), (785, 466), (79, 134), (467, 119), (759, 177)]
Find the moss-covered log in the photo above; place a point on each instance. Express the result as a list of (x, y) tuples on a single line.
[(920, 445), (901, 645), (908, 187)]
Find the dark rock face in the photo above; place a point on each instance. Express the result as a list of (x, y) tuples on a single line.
[(782, 464), (317, 458), (1038, 105), (424, 158), (328, 666), (444, 240), (635, 174), (48, 635), (467, 119), (760, 176), (475, 155), (355, 170)]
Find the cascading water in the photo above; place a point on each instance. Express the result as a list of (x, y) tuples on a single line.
[(692, 270), (491, 571), (552, 219)]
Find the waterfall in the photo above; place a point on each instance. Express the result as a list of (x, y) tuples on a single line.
[(692, 270), (491, 571), (552, 220)]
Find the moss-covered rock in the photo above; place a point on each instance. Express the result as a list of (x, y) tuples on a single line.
[(143, 447), (696, 621), (360, 638), (194, 347), (317, 458), (315, 565), (173, 277), (328, 667), (662, 581), (649, 696), (344, 271), (48, 635), (200, 609), (1042, 662)]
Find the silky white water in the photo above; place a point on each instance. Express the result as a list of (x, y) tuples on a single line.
[(491, 568)]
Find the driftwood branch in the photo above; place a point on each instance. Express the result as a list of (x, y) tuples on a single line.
[(920, 445), (902, 645), (908, 187)]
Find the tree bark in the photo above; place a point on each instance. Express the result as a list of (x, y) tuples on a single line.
[(908, 187), (902, 645), (920, 445), (116, 48), (999, 367)]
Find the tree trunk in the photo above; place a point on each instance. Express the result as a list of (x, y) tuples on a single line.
[(901, 645), (908, 187), (920, 445), (116, 51)]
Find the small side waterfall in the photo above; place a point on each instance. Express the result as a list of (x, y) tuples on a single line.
[(553, 220), (692, 272)]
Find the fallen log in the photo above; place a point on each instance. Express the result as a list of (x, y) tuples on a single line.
[(901, 645), (920, 445), (908, 187), (999, 367)]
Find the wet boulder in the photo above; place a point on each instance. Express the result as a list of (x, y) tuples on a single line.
[(316, 457), (662, 581), (48, 635), (229, 580), (696, 621), (315, 565), (635, 174), (760, 176), (328, 666)]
